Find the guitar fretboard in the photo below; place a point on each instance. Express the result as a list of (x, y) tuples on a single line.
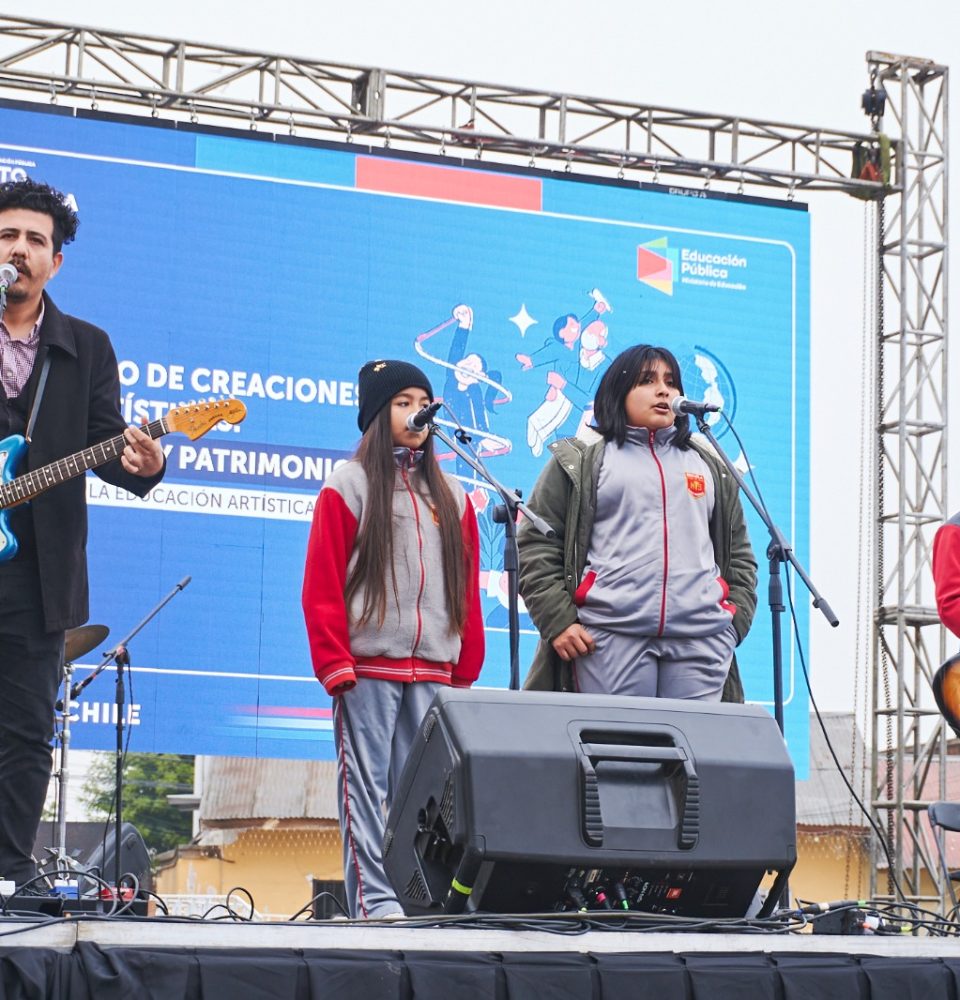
[(31, 484)]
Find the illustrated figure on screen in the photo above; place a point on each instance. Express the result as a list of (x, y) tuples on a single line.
[(707, 377), (593, 360), (494, 585), (470, 390), (649, 583), (59, 374), (572, 372), (392, 609)]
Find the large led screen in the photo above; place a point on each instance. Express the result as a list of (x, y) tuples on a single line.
[(269, 270)]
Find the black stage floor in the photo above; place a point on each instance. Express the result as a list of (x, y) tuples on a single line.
[(106, 958)]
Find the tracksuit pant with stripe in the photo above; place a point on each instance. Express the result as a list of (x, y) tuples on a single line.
[(374, 726)]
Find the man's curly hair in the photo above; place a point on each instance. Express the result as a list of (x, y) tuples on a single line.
[(39, 197)]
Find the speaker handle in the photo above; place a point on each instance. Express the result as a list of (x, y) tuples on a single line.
[(594, 753), (622, 752)]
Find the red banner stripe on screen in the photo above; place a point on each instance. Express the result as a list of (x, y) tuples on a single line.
[(425, 180), (289, 711)]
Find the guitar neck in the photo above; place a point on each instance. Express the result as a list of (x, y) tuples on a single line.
[(32, 484)]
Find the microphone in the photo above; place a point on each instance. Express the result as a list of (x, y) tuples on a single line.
[(681, 405), (8, 275), (417, 421)]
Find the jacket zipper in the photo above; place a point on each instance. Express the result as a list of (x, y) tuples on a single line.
[(666, 551), (423, 574)]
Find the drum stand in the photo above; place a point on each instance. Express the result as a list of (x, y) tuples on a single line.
[(58, 853), (77, 642)]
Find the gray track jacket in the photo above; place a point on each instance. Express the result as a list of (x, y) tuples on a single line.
[(551, 570)]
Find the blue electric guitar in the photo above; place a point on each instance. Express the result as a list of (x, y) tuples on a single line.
[(194, 420)]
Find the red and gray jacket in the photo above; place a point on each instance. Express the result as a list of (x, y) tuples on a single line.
[(415, 642), (946, 573)]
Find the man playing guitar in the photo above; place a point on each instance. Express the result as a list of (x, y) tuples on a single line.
[(59, 374)]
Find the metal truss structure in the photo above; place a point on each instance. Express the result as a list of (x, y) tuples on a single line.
[(287, 94), (279, 96), (909, 745)]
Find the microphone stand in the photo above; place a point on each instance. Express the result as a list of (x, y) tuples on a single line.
[(121, 657), (505, 514), (62, 859), (778, 551)]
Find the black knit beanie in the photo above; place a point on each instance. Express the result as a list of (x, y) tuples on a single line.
[(379, 381)]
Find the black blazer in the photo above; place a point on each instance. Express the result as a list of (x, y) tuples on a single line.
[(80, 407)]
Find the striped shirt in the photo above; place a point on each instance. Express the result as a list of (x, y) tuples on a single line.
[(17, 357)]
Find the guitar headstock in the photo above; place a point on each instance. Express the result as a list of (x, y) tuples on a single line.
[(195, 419)]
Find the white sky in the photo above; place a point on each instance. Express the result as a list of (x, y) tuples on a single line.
[(796, 63)]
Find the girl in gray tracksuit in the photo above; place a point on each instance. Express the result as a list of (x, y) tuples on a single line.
[(392, 608), (650, 581)]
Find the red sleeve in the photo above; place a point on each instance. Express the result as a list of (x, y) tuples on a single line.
[(331, 541), (946, 575), (467, 669)]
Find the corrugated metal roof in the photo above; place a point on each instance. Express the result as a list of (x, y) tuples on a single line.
[(823, 799), (240, 788)]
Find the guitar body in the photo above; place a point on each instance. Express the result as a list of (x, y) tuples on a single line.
[(11, 452), (193, 419)]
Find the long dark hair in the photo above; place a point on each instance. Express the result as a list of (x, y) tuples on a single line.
[(375, 536), (624, 373)]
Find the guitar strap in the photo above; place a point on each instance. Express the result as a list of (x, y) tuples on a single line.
[(38, 396)]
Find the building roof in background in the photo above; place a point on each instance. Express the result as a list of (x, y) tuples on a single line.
[(240, 788), (823, 799)]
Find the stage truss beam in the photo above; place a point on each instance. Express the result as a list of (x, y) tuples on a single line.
[(909, 757), (287, 94)]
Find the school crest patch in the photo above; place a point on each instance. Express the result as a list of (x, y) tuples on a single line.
[(696, 486)]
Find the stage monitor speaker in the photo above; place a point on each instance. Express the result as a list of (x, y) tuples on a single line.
[(134, 859), (528, 802)]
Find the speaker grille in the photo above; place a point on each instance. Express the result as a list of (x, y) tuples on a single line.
[(426, 730), (448, 804), (416, 889)]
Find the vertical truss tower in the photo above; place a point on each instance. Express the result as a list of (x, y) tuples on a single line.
[(909, 741)]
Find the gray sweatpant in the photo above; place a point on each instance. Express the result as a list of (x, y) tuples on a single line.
[(374, 725), (651, 667)]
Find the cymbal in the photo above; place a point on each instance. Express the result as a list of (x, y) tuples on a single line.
[(79, 641)]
